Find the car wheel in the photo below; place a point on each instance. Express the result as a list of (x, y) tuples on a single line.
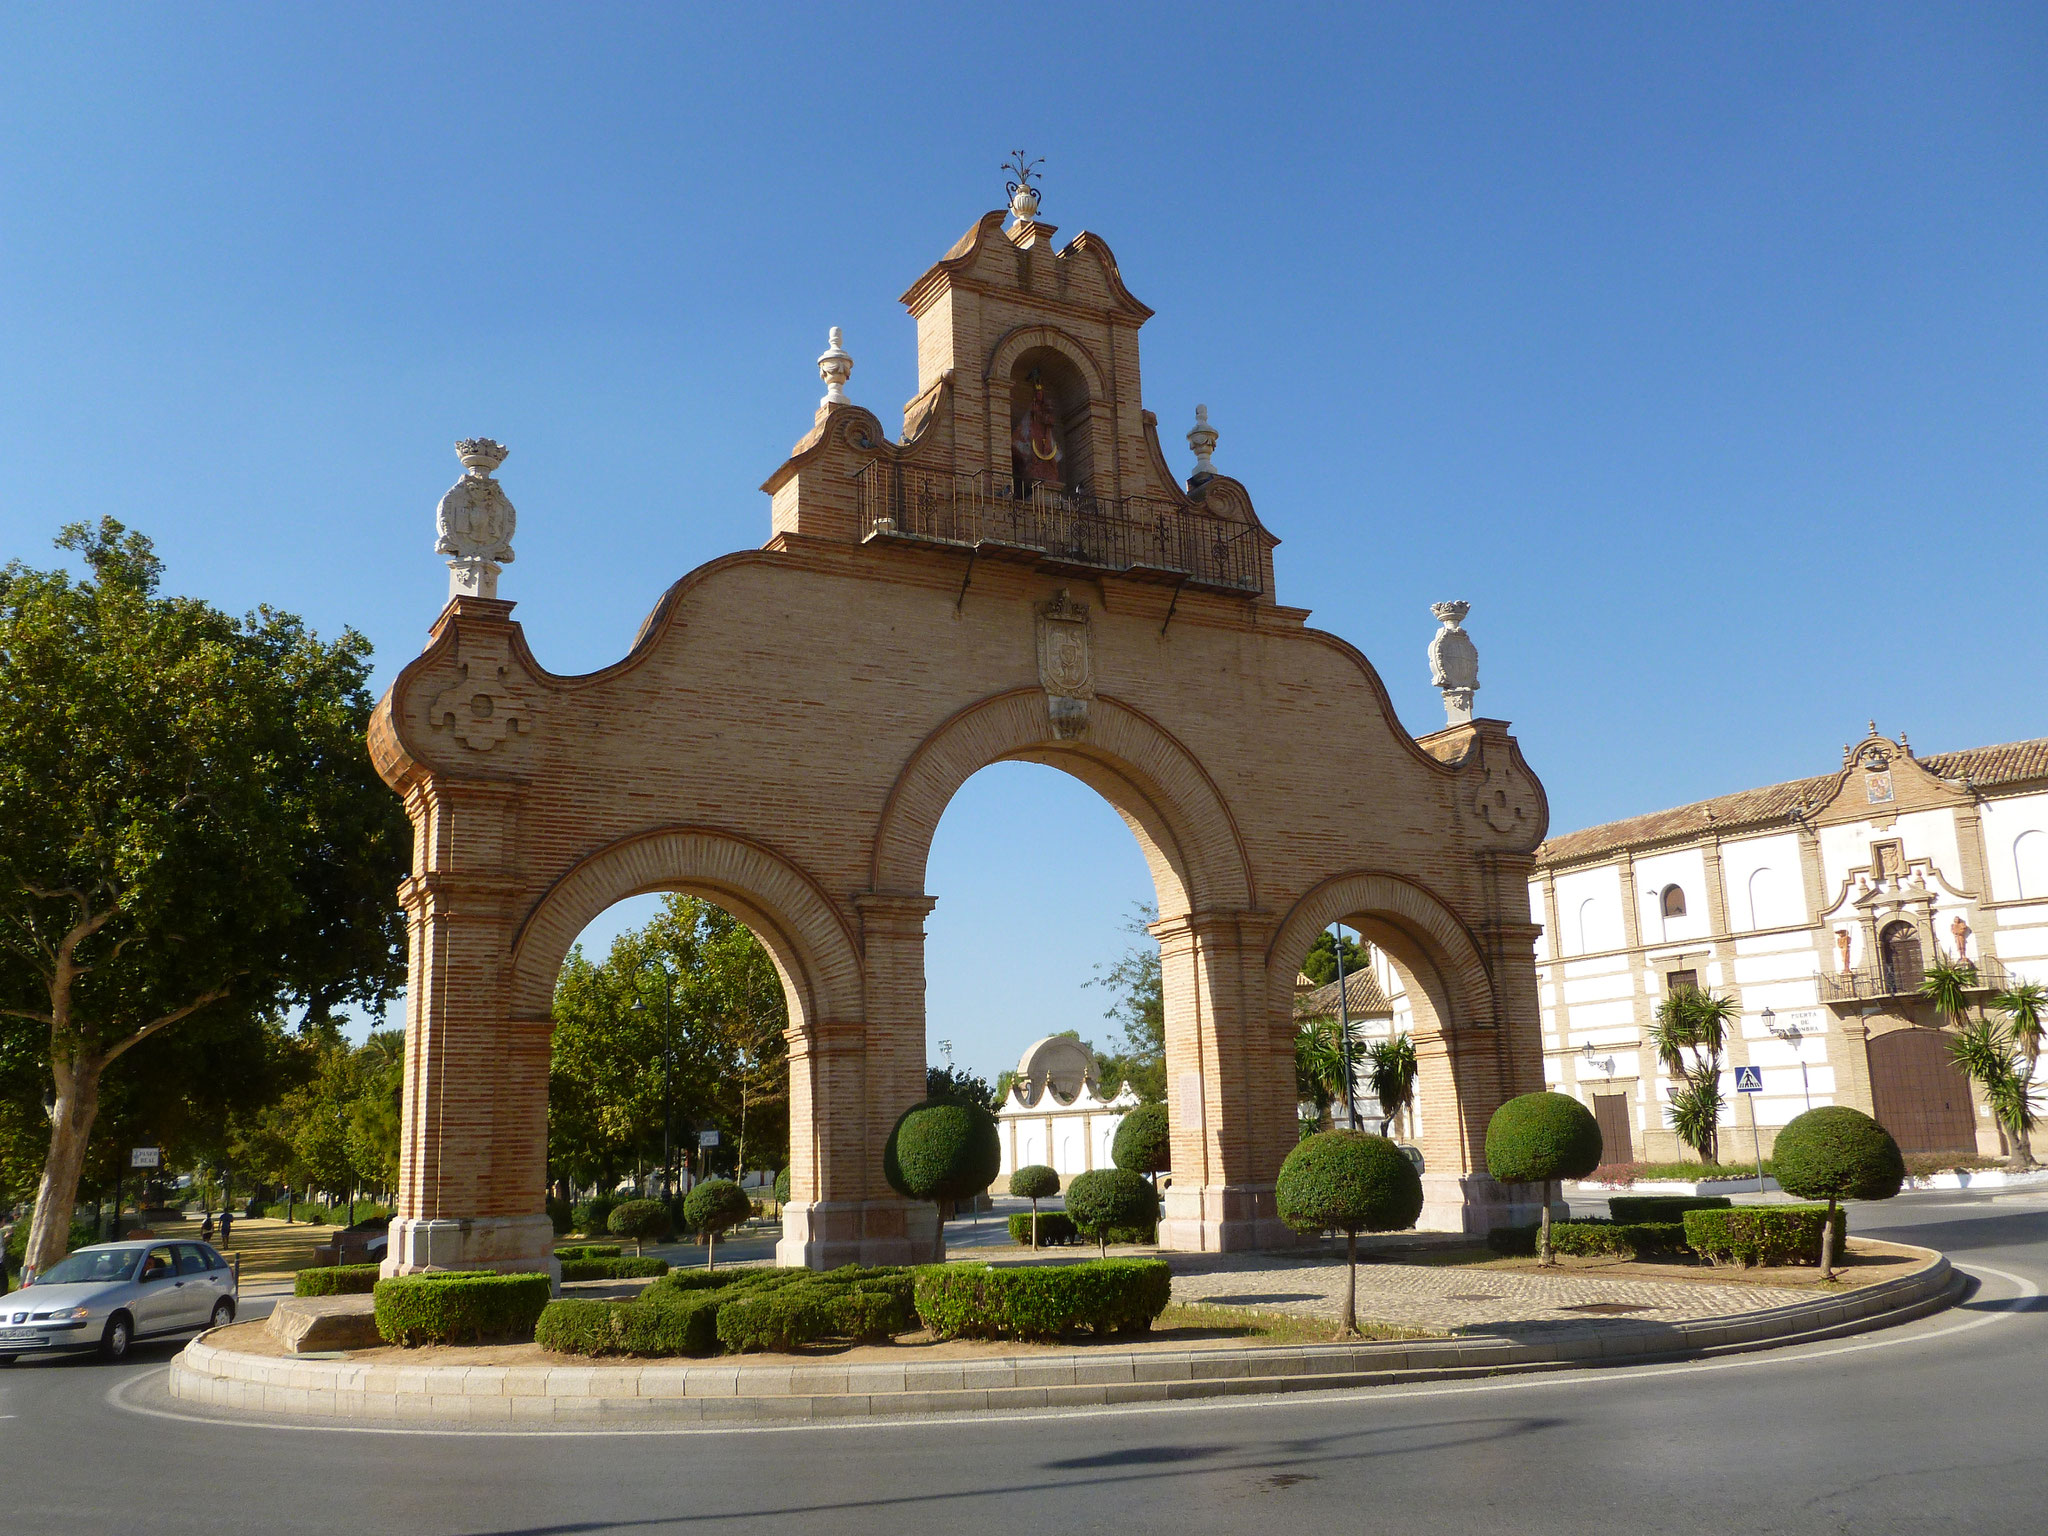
[(223, 1313), (6, 1359), (119, 1335)]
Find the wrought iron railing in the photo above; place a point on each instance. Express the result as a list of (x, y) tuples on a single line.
[(1137, 535), (1873, 982)]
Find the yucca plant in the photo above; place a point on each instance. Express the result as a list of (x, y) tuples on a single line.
[(1319, 1064), (1985, 1053), (1390, 1073), (1948, 984), (1696, 1111), (2024, 1005)]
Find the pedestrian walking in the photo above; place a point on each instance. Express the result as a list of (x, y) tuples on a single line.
[(227, 1225), (206, 1229)]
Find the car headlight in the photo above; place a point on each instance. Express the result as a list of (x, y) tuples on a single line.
[(66, 1315)]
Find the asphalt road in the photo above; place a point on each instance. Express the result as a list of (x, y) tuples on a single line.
[(1935, 1426)]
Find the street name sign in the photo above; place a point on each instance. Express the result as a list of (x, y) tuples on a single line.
[(145, 1157)]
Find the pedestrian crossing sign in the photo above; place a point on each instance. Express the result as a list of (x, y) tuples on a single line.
[(1749, 1079)]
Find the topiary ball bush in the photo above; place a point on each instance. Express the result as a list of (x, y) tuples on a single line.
[(1110, 1197), (1837, 1153), (941, 1150), (782, 1195), (645, 1221), (1542, 1136), (1036, 1182), (1142, 1144), (715, 1205), (1348, 1181)]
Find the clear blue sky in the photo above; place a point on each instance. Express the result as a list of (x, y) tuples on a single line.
[(1701, 348)]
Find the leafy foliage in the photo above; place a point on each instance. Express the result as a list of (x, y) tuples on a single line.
[(1347, 1181), (1319, 965), (1143, 1143), (708, 994), (337, 1280), (644, 1221), (1985, 1052), (1319, 1063), (1764, 1234), (614, 1268), (1837, 1153), (957, 1085), (1104, 1198), (190, 826), (1054, 1228), (1539, 1137), (1595, 1239), (1696, 1021), (1629, 1209), (694, 1313), (454, 1308), (1390, 1073), (715, 1206), (977, 1301), (942, 1151), (1036, 1182), (1135, 982)]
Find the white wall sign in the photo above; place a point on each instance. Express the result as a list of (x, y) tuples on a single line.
[(1191, 1101), (707, 1138), (146, 1157)]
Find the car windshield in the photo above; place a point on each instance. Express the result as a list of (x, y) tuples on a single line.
[(85, 1268)]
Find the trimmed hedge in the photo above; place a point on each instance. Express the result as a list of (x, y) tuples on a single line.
[(1035, 1182), (942, 1150), (1837, 1153), (715, 1205), (1762, 1234), (1111, 1199), (691, 1312), (589, 1251), (1594, 1239), (1349, 1181), (645, 1221), (594, 1213), (1626, 1209), (337, 1280), (1055, 1228), (974, 1301), (1539, 1137), (612, 1269), (450, 1308)]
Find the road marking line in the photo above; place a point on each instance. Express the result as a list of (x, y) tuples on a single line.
[(1580, 1377)]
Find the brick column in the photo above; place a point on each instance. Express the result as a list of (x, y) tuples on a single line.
[(1229, 1084), (848, 1084), (474, 1136)]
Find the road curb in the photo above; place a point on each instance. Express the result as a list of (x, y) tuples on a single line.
[(207, 1377)]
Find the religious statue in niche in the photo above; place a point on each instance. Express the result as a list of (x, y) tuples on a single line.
[(1960, 932), (1035, 455)]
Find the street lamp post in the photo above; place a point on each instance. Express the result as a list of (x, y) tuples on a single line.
[(1793, 1035), (1344, 1028), (668, 1067)]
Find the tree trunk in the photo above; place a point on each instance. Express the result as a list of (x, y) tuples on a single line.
[(1543, 1254), (1827, 1243), (711, 1253), (1350, 1284), (1034, 1225), (71, 1117)]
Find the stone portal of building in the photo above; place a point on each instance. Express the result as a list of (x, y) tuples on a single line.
[(791, 722)]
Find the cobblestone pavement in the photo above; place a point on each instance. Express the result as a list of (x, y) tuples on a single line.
[(1511, 1302)]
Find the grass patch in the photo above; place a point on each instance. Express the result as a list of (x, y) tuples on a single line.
[(1262, 1327)]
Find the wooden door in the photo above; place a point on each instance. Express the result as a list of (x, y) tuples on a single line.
[(1903, 969), (1611, 1111), (1917, 1094)]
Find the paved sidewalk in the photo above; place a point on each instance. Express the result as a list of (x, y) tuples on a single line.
[(1513, 1303)]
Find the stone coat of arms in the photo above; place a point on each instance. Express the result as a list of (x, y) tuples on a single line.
[(1066, 669)]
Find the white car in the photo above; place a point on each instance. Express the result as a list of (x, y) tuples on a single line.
[(107, 1296)]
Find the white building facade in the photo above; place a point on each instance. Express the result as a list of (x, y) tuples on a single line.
[(1816, 904), (1055, 1114)]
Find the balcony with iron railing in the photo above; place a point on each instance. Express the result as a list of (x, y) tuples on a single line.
[(1145, 537), (1878, 983)]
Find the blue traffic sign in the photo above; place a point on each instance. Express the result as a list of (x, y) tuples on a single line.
[(1749, 1079)]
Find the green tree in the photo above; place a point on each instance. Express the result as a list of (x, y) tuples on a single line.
[(189, 820), (1696, 1021), (957, 1085), (1139, 1009), (713, 1206), (642, 1220), (1390, 1072), (1319, 1064), (1986, 1051), (1103, 1198), (942, 1151), (710, 1020), (1539, 1138), (1320, 963), (1144, 1143), (1035, 1183), (1349, 1182), (1833, 1154)]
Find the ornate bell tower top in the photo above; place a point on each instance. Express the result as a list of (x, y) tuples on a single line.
[(1029, 418)]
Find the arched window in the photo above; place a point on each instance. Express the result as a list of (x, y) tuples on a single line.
[(1767, 903), (2030, 864), (1589, 925), (1674, 901), (1899, 944)]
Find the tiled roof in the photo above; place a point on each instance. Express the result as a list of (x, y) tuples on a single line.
[(1986, 767), (1362, 996)]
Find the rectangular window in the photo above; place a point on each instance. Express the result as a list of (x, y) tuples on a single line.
[(1681, 981)]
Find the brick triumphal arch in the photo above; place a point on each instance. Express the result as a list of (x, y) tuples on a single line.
[(1018, 577)]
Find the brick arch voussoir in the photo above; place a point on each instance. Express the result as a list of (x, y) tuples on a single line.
[(1016, 343), (787, 910), (1443, 938), (1189, 836)]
